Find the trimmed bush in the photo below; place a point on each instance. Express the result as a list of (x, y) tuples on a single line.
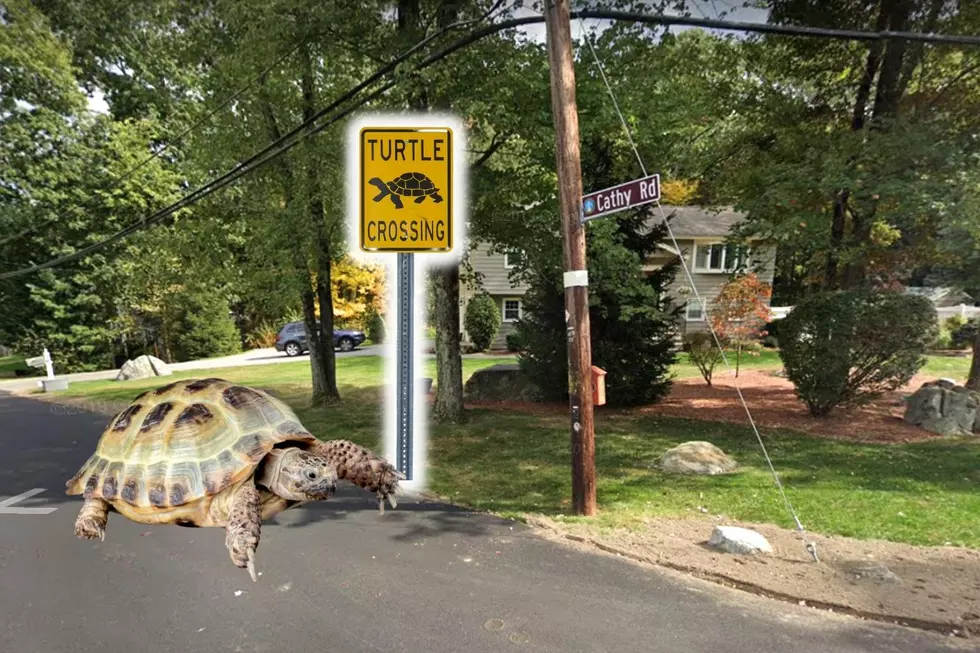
[(847, 348), (514, 343), (703, 352), (482, 321)]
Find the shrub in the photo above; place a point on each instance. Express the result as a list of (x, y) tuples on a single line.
[(703, 352), (205, 327), (514, 343), (965, 335), (377, 330), (944, 339), (849, 347), (262, 335), (482, 321), (633, 319)]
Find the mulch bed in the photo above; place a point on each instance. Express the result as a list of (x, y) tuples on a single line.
[(773, 403)]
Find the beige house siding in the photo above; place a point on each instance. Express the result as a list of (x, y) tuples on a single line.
[(709, 283), (494, 270), (495, 281)]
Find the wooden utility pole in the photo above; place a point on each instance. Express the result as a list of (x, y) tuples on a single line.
[(569, 166)]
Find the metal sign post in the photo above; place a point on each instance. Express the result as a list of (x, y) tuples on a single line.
[(406, 315), (405, 172)]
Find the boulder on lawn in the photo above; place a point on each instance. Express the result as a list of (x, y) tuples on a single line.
[(741, 541), (143, 367), (944, 407), (696, 457), (501, 382)]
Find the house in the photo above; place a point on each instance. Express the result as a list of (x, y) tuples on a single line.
[(941, 296), (700, 233), (494, 270)]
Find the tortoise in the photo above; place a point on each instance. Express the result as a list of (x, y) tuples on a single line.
[(207, 452), (410, 184)]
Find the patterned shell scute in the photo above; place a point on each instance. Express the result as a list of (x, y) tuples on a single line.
[(413, 183), (177, 444)]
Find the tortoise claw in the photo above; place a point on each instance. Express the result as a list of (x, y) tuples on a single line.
[(251, 565), (381, 501)]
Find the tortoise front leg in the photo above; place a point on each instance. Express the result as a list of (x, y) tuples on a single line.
[(92, 519), (363, 468), (243, 529)]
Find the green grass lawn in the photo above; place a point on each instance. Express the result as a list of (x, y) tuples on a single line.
[(955, 367), (10, 364), (514, 463), (765, 359)]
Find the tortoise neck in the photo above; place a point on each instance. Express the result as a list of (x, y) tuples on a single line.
[(268, 473)]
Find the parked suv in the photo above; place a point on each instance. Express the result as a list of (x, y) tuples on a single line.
[(292, 339)]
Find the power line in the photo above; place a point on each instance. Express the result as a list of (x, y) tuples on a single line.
[(269, 152), (789, 506), (789, 30), (179, 137), (256, 160)]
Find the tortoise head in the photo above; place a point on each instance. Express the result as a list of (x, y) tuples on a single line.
[(299, 475)]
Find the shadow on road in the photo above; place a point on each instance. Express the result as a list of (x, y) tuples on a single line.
[(419, 519), (44, 446)]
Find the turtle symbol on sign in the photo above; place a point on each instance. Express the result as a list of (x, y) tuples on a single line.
[(410, 184)]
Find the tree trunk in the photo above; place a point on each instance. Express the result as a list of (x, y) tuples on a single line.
[(320, 394), (831, 280), (914, 56), (973, 381), (874, 56), (889, 89), (325, 389), (449, 361)]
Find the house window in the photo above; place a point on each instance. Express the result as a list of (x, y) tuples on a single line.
[(511, 257), (695, 311), (719, 257), (512, 310)]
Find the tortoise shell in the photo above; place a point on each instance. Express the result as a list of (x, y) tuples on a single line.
[(185, 442), (412, 184)]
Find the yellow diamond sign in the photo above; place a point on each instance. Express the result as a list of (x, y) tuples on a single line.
[(406, 189)]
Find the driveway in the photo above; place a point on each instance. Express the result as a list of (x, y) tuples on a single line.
[(338, 576)]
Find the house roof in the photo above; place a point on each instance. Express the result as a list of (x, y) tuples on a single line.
[(937, 293), (698, 221)]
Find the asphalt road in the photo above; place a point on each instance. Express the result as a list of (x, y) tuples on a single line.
[(340, 577)]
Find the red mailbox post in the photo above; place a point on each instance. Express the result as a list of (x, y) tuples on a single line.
[(598, 386)]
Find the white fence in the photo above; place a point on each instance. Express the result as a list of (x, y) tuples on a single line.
[(945, 312), (969, 312)]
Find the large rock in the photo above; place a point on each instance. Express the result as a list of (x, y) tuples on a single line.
[(742, 541), (944, 407), (696, 457), (501, 382), (143, 367)]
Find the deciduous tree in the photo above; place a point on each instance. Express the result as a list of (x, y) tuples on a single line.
[(740, 312)]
